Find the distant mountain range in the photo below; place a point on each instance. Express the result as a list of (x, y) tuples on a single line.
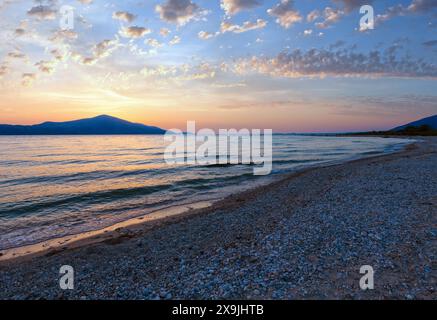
[(99, 125), (105, 124), (429, 121)]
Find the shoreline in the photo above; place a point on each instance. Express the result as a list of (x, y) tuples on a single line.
[(302, 237), (158, 217), (54, 245)]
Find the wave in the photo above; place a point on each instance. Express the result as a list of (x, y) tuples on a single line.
[(10, 210), (91, 175), (291, 161), (85, 176), (369, 153)]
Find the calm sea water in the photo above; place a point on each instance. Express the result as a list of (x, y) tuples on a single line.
[(52, 186)]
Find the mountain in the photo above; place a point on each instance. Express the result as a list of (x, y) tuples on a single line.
[(429, 121), (99, 125)]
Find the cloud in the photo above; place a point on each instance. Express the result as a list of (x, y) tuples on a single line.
[(229, 85), (62, 35), (285, 14), (232, 7), (431, 43), (386, 105), (159, 71), (19, 32), (123, 16), (164, 32), (58, 55), (134, 32), (313, 15), (88, 61), (246, 26), (27, 79), (3, 70), (339, 63), (153, 43), (84, 22), (422, 5), (42, 12), (16, 55), (200, 72), (391, 12), (180, 73), (175, 40), (46, 66), (5, 3), (99, 51), (349, 5), (205, 35), (104, 48), (85, 1), (416, 6), (179, 12), (337, 44), (330, 16), (307, 32)]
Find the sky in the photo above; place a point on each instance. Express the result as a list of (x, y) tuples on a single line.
[(290, 66)]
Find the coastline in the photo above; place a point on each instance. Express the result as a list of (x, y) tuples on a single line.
[(156, 218), (55, 245), (225, 234)]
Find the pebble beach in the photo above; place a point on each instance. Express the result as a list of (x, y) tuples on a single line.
[(303, 237)]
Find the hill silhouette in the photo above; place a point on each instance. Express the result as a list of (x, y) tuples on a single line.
[(102, 124), (431, 122)]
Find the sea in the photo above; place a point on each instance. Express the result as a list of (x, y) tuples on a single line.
[(55, 186)]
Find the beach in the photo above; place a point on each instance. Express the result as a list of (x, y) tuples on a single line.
[(303, 237)]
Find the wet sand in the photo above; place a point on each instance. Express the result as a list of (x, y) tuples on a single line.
[(55, 245)]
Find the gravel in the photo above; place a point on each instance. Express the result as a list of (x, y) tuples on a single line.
[(304, 237)]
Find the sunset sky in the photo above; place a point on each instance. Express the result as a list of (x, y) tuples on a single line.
[(293, 66)]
